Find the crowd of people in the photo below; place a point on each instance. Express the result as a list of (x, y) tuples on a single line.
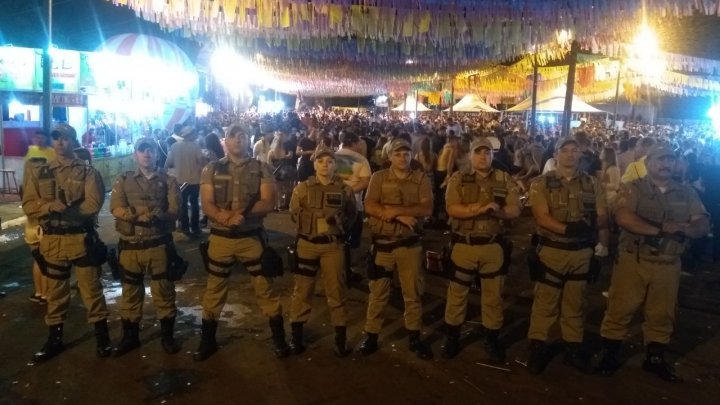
[(339, 172)]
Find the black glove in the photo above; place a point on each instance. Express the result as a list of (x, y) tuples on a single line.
[(577, 229)]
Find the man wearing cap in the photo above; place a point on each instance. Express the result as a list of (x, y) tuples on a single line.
[(657, 216), (396, 201), (324, 209), (477, 201), (64, 196), (145, 204), (187, 159), (569, 208), (237, 192)]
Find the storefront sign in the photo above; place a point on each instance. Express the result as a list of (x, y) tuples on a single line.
[(65, 70), (17, 68)]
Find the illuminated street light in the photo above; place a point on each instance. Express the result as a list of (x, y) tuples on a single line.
[(645, 55)]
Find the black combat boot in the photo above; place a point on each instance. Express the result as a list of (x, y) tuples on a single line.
[(369, 345), (655, 363), (609, 362), (419, 347), (208, 344), (577, 357), (130, 338), (340, 349), (277, 328), (492, 345), (167, 329), (452, 342), (53, 346), (538, 356), (102, 338), (296, 338)]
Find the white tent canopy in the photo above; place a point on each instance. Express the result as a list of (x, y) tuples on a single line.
[(472, 103), (554, 101), (409, 105)]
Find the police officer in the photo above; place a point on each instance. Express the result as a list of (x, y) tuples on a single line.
[(236, 193), (657, 216), (396, 201), (477, 201), (569, 207), (145, 205), (64, 196), (324, 209)]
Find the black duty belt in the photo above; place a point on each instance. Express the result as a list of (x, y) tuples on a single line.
[(473, 240), (144, 244), (565, 245), (236, 234), (66, 230), (394, 244), (320, 240)]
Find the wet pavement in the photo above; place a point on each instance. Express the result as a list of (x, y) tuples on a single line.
[(244, 370)]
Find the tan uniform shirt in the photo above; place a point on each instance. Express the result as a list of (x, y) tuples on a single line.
[(300, 195), (454, 188), (374, 193)]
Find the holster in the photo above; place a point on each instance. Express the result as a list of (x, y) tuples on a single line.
[(96, 251), (270, 262), (594, 270), (113, 261), (203, 248), (535, 266), (373, 271), (40, 260), (292, 256), (176, 265), (507, 247)]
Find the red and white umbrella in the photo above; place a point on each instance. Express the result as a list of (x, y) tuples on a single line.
[(147, 46)]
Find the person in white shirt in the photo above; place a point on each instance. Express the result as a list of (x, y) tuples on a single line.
[(262, 146), (355, 171)]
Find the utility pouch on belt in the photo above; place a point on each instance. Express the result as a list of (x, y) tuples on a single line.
[(439, 262), (113, 261), (97, 252), (176, 265), (40, 260), (594, 270), (203, 248), (292, 258)]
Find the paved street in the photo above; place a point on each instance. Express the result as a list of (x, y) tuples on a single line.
[(245, 371)]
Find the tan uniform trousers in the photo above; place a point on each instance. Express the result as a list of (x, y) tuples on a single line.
[(329, 258), (635, 282), (135, 264), (408, 262), (487, 260), (223, 253), (61, 252), (566, 298)]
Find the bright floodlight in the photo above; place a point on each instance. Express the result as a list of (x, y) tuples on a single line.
[(645, 55), (551, 119), (714, 114), (234, 72)]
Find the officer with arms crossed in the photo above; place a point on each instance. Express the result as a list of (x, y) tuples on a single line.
[(657, 216), (324, 209), (397, 199), (569, 208), (236, 193), (476, 202), (64, 196), (145, 205)]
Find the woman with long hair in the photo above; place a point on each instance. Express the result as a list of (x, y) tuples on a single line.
[(280, 161), (610, 173)]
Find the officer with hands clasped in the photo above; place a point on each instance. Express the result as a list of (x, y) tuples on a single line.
[(657, 216), (64, 196), (396, 201), (237, 192), (569, 209), (324, 209), (477, 201), (145, 205)]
